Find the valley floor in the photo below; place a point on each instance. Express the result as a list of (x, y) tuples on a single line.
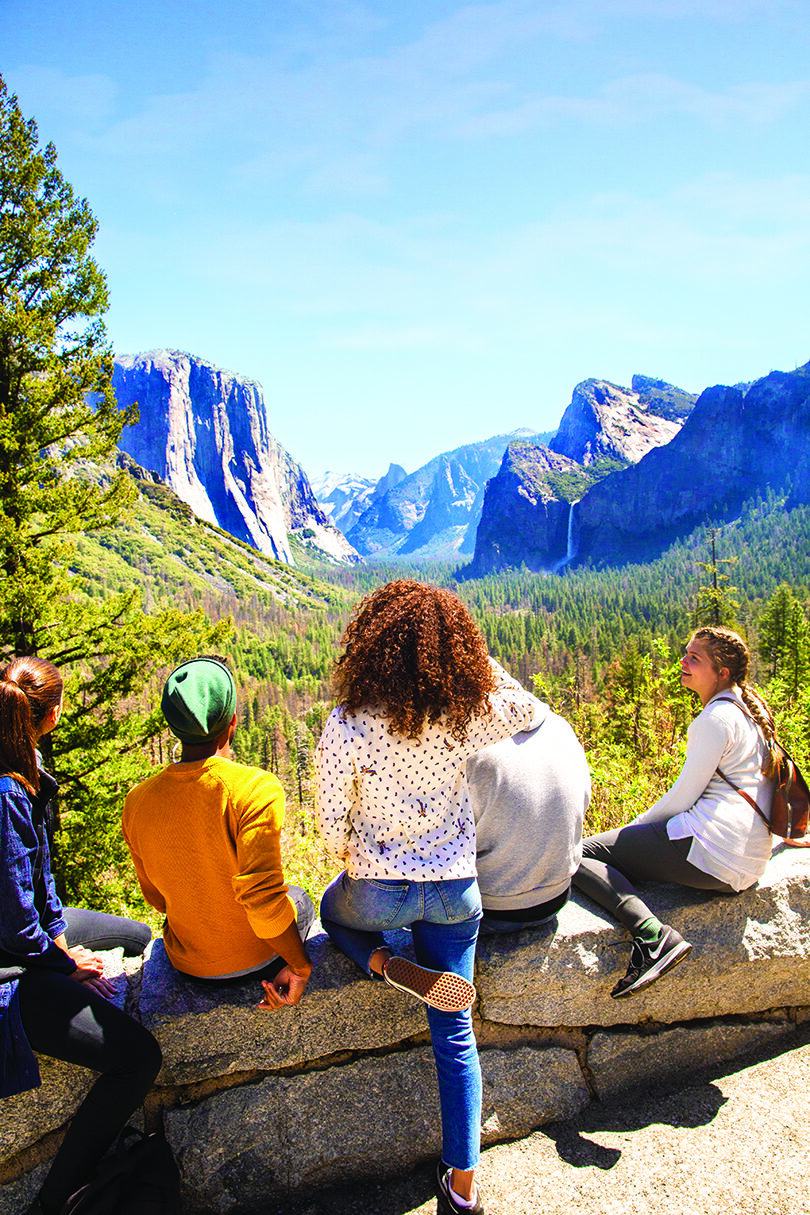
[(723, 1143)]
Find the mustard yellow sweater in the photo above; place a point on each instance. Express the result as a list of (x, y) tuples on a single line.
[(205, 838)]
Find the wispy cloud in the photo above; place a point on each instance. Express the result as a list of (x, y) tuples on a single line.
[(86, 101), (646, 98), (330, 113)]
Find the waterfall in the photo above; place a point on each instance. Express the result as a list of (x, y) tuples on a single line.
[(571, 546), (571, 541)]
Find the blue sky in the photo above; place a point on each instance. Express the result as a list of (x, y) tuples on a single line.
[(418, 224)]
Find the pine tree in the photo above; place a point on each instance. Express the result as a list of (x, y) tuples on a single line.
[(57, 408), (716, 602), (59, 425), (784, 638)]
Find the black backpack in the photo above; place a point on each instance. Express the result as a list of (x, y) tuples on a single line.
[(142, 1179)]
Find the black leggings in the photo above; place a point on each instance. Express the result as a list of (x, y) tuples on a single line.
[(640, 852), (67, 1020), (98, 930)]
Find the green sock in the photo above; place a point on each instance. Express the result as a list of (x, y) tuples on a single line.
[(648, 931)]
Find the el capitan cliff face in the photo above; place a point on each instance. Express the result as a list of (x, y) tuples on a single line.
[(205, 432)]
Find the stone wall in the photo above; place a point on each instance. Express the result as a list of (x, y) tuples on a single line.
[(256, 1104)]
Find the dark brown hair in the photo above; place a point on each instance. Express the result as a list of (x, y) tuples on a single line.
[(415, 651), (29, 689), (727, 649)]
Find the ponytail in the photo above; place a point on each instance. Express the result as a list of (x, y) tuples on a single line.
[(29, 689), (18, 752), (760, 710)]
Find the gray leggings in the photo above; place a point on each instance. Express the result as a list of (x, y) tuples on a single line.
[(639, 852)]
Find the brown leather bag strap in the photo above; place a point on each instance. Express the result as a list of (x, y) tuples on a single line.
[(749, 799), (732, 700)]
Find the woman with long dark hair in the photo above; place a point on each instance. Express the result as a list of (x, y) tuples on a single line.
[(702, 833), (86, 929), (48, 1002), (417, 695)]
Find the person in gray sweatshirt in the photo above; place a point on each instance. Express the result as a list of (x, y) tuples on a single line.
[(529, 794)]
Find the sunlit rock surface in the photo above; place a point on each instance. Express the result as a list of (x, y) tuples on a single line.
[(257, 1105), (205, 432)]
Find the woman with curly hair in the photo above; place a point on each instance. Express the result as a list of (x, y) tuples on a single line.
[(702, 833), (417, 695)]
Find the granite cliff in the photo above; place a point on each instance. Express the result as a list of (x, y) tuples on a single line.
[(526, 511), (528, 515), (606, 421), (205, 432), (735, 442), (434, 511)]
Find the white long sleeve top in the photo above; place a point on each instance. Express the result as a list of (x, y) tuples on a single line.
[(390, 807), (729, 839)]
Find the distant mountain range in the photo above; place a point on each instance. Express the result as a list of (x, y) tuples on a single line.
[(345, 496), (627, 471), (434, 511)]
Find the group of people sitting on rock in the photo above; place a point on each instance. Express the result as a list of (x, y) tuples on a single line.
[(453, 800)]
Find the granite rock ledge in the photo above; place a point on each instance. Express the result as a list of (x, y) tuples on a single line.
[(258, 1104)]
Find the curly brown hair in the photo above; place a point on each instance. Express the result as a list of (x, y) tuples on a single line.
[(416, 651), (727, 649)]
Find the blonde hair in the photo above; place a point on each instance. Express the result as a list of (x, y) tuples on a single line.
[(727, 649)]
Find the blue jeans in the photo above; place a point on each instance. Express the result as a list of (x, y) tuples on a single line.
[(443, 918)]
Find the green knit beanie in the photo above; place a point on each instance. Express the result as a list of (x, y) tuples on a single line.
[(199, 700)]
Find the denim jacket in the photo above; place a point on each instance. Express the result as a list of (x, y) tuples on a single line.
[(30, 917)]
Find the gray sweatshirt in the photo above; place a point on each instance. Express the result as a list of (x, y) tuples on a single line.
[(529, 795)]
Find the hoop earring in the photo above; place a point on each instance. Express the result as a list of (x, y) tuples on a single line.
[(175, 756)]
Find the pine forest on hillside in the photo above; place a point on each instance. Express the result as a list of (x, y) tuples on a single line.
[(602, 646)]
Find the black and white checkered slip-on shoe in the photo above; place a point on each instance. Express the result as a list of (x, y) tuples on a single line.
[(441, 989)]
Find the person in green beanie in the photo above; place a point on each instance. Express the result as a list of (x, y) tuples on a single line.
[(205, 838)]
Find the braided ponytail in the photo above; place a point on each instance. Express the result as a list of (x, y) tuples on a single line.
[(727, 649)]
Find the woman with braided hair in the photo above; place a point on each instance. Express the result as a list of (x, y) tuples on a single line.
[(417, 695), (701, 833)]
